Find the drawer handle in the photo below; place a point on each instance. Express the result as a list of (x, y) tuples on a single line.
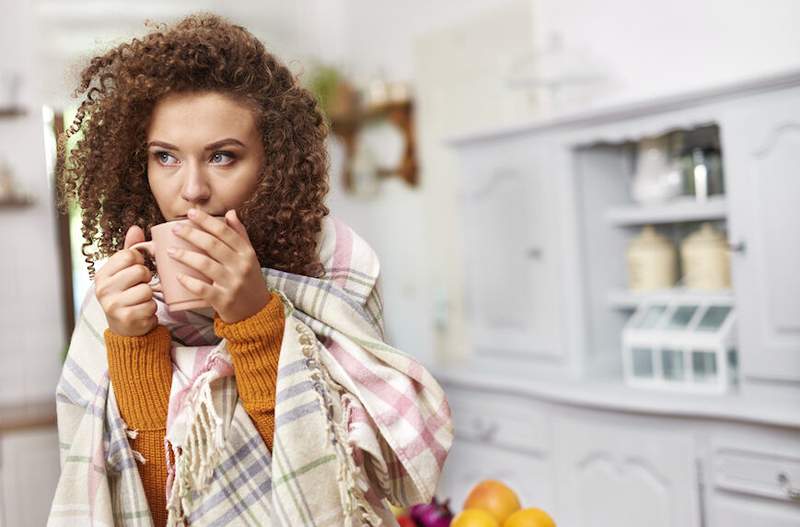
[(484, 432), (786, 484)]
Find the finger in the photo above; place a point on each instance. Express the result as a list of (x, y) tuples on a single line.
[(129, 277), (232, 218), (124, 258), (121, 260), (143, 311), (134, 296), (134, 235), (218, 228), (198, 287), (208, 242), (201, 263)]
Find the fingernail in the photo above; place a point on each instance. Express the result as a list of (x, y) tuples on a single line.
[(177, 228), (192, 213), (171, 251)]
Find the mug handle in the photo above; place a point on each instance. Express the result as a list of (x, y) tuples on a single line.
[(149, 249), (145, 247)]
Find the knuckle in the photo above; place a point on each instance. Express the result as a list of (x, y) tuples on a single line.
[(126, 258), (122, 316), (112, 305)]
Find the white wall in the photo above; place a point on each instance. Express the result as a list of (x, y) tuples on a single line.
[(649, 47), (654, 48), (31, 327)]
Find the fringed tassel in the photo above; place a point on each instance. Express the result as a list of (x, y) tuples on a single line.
[(350, 479), (196, 460), (133, 434)]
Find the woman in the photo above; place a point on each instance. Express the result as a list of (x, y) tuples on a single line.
[(280, 404)]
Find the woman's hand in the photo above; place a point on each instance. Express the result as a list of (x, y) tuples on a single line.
[(235, 288), (123, 290)]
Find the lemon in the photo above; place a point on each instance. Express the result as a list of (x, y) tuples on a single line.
[(474, 518), (531, 517)]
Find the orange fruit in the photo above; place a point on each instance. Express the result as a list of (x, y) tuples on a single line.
[(495, 498), (474, 518), (531, 517)]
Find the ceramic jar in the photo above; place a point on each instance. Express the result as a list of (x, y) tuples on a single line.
[(705, 259), (658, 177), (652, 261)]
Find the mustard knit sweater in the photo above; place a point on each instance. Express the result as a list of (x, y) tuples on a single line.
[(140, 369)]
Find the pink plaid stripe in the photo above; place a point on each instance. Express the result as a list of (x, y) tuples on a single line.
[(403, 405), (343, 252)]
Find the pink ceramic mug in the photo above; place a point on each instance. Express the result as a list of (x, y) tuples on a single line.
[(177, 297)]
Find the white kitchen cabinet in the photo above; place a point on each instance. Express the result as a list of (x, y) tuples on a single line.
[(732, 512), (612, 475), (29, 469), (548, 215), (470, 462), (513, 257), (604, 455), (761, 141), (500, 437)]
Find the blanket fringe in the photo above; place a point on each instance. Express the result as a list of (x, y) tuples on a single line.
[(350, 478), (196, 460)]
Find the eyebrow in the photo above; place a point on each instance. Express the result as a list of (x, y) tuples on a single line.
[(210, 146)]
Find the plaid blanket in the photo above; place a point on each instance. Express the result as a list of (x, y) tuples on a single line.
[(357, 422)]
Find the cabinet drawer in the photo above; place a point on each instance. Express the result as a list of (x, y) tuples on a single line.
[(758, 473), (499, 420)]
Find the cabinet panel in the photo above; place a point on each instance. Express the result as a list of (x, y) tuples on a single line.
[(756, 472), (500, 420), (471, 462), (617, 476), (510, 213), (29, 475), (761, 148), (740, 512)]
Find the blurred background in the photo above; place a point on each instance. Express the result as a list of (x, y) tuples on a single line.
[(587, 219)]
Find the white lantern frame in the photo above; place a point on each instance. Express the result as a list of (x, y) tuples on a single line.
[(685, 339)]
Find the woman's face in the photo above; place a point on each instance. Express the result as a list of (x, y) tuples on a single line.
[(204, 151)]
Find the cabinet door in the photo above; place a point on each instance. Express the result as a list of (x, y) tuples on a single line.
[(472, 462), (617, 476), (502, 437), (29, 475), (742, 512), (512, 290), (761, 148)]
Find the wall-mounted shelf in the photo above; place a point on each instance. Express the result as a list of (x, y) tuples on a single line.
[(16, 202), (677, 211), (624, 299), (11, 111)]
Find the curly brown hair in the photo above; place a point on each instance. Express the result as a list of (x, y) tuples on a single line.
[(105, 172)]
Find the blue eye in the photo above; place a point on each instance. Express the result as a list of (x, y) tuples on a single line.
[(164, 158), (222, 158)]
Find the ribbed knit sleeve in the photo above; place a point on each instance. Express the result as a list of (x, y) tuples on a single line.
[(254, 344), (140, 369)]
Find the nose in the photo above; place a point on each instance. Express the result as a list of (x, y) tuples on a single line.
[(195, 189)]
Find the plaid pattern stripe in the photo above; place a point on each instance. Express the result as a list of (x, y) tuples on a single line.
[(358, 422)]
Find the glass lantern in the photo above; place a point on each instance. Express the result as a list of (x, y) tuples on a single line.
[(681, 343)]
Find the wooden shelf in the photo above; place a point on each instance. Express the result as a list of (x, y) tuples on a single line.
[(624, 299), (8, 112), (16, 203), (677, 211), (27, 414)]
